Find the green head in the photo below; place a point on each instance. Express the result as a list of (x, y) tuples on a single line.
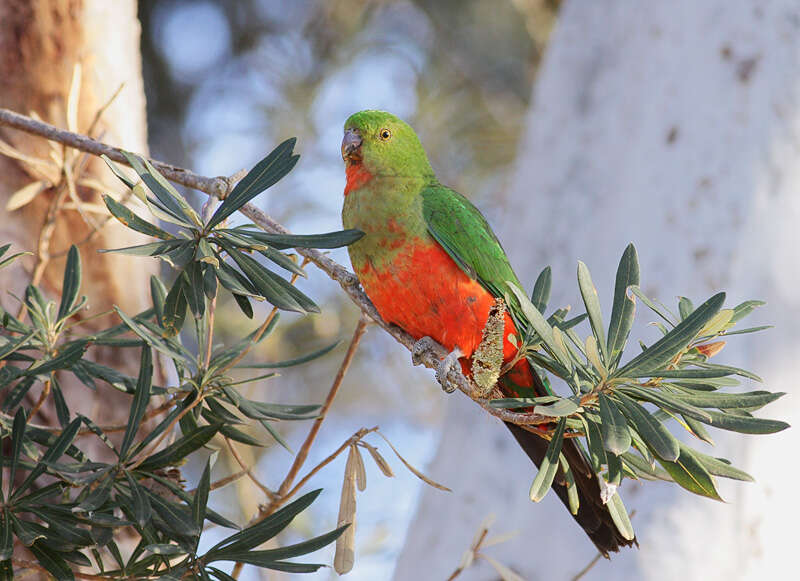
[(384, 145)]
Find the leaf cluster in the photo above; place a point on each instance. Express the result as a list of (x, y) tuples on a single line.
[(620, 412), (68, 509)]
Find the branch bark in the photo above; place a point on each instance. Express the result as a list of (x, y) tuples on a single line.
[(219, 187)]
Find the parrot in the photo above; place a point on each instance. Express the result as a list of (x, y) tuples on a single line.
[(431, 264)]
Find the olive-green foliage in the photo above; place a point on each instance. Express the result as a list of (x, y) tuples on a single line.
[(69, 509)]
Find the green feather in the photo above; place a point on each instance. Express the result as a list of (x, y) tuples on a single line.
[(459, 227)]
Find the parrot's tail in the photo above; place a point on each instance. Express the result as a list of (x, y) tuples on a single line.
[(593, 516)]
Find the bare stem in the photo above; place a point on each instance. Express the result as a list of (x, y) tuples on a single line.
[(302, 455), (219, 187), (247, 470), (42, 398)]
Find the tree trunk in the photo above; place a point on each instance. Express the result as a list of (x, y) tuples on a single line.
[(672, 125), (41, 42)]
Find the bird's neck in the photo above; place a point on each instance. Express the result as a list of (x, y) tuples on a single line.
[(357, 176)]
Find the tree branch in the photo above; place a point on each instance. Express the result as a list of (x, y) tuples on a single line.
[(220, 187)]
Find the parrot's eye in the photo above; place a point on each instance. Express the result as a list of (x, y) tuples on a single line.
[(385, 134)]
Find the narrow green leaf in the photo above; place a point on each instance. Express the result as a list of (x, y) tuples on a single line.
[(210, 285), (6, 536), (240, 436), (750, 399), (653, 432), (624, 308), (748, 330), (177, 517), (141, 398), (620, 517), (283, 241), (99, 495), (66, 356), (9, 259), (132, 221), (163, 190), (200, 499), (244, 305), (267, 557), (150, 338), (613, 426), (589, 295), (522, 402), (72, 282), (569, 481), (663, 350), (690, 373), (690, 473), (292, 362), (150, 249), (743, 309), (272, 287), (665, 400), (541, 326), (559, 408), (264, 174), (142, 510), (685, 307), (179, 449), (53, 453), (696, 429), (283, 261), (193, 289), (234, 281), (721, 467), (541, 289), (744, 424), (62, 411), (17, 436), (659, 309), (158, 294), (594, 441), (730, 369), (268, 528), (165, 549), (175, 307), (549, 467), (52, 562)]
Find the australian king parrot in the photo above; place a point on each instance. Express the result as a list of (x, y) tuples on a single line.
[(431, 264)]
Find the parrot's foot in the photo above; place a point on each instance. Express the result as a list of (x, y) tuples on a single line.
[(444, 368), (428, 345), (424, 345)]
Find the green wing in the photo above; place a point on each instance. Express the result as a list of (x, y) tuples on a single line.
[(467, 237)]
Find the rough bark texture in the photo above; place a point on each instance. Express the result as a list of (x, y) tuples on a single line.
[(673, 125), (40, 43)]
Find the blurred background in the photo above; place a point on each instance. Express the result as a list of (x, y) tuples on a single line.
[(576, 128), (227, 80)]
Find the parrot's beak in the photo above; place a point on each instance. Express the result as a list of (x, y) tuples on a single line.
[(351, 145)]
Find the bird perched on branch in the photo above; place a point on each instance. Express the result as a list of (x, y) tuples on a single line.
[(431, 264)]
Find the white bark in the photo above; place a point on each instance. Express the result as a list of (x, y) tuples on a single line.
[(674, 125)]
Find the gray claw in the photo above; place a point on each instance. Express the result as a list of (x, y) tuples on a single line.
[(444, 368), (421, 347)]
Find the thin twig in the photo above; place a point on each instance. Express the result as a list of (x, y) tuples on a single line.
[(37, 567), (219, 187), (269, 494), (222, 482), (357, 437), (42, 398), (300, 459)]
